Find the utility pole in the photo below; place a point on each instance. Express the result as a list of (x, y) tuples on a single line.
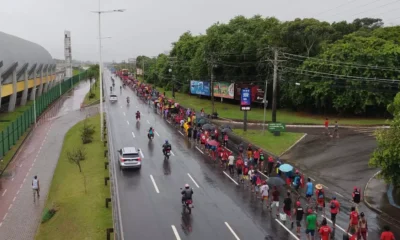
[(274, 86), (212, 87), (143, 68), (265, 103), (171, 62)]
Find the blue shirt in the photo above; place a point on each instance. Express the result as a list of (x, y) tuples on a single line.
[(309, 188)]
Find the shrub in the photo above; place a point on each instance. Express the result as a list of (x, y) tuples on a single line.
[(48, 214), (91, 95), (87, 133)]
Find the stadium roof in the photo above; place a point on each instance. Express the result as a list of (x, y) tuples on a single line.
[(17, 50)]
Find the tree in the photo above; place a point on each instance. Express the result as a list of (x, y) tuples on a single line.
[(76, 156), (87, 132), (387, 154)]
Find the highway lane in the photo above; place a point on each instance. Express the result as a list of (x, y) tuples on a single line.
[(214, 215)]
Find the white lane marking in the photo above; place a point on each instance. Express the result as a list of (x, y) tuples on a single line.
[(133, 135), (172, 153), (157, 133), (336, 225), (324, 186), (20, 186), (148, 122), (230, 178), (33, 163), (14, 199), (4, 218), (20, 165), (312, 179), (195, 183), (12, 179), (262, 174), (199, 150), (10, 206), (4, 193), (154, 183), (169, 121), (24, 180), (124, 113), (339, 194), (1, 223), (175, 232), (181, 133), (27, 174), (127, 122), (141, 153), (17, 192), (230, 229), (293, 235), (30, 169)]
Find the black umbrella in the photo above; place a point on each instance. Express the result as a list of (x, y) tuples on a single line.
[(201, 121), (225, 126), (225, 130), (208, 126), (276, 181)]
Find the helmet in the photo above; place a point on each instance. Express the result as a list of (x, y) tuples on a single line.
[(187, 185), (355, 188), (334, 197), (166, 141), (309, 210), (298, 203)]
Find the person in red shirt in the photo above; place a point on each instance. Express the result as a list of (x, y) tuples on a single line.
[(335, 208), (245, 175), (353, 220), (224, 158), (387, 234), (325, 231), (239, 167), (326, 124), (256, 156), (270, 165), (216, 134)]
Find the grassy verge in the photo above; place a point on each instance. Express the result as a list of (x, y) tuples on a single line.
[(94, 92), (7, 118), (232, 111), (79, 215), (275, 145), (10, 154)]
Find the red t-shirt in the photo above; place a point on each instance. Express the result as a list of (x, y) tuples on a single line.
[(270, 159), (353, 237), (245, 170), (326, 123), (336, 209), (203, 138), (239, 163), (324, 231), (354, 217), (387, 236), (256, 154)]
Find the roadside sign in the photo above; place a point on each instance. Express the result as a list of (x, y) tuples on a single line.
[(245, 108), (276, 127), (245, 99)]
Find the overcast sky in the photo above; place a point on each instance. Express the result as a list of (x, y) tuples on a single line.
[(150, 26)]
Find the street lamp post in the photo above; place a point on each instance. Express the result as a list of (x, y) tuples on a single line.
[(101, 67)]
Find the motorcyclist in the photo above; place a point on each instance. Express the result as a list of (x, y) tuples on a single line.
[(137, 115), (186, 194), (151, 132), (127, 100), (110, 88), (166, 146)]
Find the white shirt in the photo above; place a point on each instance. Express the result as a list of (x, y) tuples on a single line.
[(264, 189), (35, 184), (251, 172), (231, 159)]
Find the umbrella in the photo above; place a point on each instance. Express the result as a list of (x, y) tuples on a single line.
[(225, 130), (201, 121), (286, 167), (213, 143), (208, 126), (276, 181), (225, 126)]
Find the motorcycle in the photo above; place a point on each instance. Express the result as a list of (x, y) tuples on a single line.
[(188, 206), (167, 153), (150, 136), (137, 118)]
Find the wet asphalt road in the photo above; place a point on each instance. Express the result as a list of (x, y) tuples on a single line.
[(218, 200)]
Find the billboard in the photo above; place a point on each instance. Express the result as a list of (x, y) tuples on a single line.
[(224, 90), (200, 88), (257, 93), (245, 97)]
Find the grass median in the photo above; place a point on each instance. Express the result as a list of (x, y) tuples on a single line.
[(79, 215), (93, 95), (232, 111), (274, 144)]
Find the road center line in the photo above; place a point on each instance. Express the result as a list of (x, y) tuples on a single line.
[(14, 199), (127, 122), (230, 178), (293, 235), (181, 133), (4, 193), (154, 183), (199, 150), (124, 113), (339, 194), (175, 232), (133, 135), (312, 179), (262, 174), (195, 183), (141, 153), (10, 206), (157, 133), (230, 229), (172, 153)]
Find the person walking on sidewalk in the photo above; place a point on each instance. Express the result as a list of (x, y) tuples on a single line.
[(35, 188), (270, 165), (311, 224), (335, 208), (275, 200), (363, 226), (356, 197)]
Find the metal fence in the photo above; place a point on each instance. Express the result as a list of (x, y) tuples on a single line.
[(11, 134)]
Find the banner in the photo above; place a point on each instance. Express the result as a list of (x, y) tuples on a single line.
[(245, 97), (224, 90), (257, 93), (200, 88)]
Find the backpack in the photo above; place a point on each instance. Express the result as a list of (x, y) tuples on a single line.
[(297, 180), (333, 205)]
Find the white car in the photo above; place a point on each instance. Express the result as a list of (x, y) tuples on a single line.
[(113, 98), (129, 158)]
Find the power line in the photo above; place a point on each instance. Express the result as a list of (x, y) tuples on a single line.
[(376, 7), (358, 7), (341, 5)]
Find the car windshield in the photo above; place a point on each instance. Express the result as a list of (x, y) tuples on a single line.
[(113, 96), (131, 155)]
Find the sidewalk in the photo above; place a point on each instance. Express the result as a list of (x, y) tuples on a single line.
[(376, 198), (19, 214)]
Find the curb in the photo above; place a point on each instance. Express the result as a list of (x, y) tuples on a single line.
[(365, 200), (294, 144)]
